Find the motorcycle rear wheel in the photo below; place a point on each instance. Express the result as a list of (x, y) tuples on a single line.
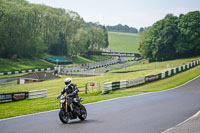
[(83, 113), (63, 117)]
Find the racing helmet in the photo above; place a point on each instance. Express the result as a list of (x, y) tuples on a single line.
[(68, 81)]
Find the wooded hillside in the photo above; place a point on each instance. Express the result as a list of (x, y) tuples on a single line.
[(28, 30), (172, 37)]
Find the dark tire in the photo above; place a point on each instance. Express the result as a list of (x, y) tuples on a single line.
[(83, 113), (63, 117)]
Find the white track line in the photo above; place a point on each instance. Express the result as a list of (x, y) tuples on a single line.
[(190, 118), (104, 100)]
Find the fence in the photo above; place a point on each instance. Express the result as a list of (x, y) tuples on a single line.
[(150, 78), (92, 86), (16, 96)]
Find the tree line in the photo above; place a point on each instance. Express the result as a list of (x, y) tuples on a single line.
[(122, 28), (172, 37), (28, 30), (126, 29)]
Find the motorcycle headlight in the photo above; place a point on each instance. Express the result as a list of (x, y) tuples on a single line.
[(62, 101)]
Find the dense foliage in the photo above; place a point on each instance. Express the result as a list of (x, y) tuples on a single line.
[(27, 30), (172, 37), (122, 28)]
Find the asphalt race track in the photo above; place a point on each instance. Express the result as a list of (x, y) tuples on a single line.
[(145, 113)]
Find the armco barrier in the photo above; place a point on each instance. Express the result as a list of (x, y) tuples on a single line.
[(38, 94), (137, 81), (24, 71), (123, 84), (16, 96), (107, 87), (116, 85), (163, 75), (150, 78), (11, 97)]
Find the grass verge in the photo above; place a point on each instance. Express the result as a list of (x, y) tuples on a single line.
[(44, 104), (7, 65)]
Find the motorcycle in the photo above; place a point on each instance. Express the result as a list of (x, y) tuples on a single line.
[(71, 109)]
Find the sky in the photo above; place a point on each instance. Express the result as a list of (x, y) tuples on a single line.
[(134, 13)]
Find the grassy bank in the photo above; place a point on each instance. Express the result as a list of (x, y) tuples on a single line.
[(123, 42), (92, 58), (55, 86), (44, 104), (22, 64), (7, 65), (135, 71)]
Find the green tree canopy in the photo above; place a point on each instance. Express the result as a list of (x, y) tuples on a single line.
[(188, 40), (172, 37), (27, 30)]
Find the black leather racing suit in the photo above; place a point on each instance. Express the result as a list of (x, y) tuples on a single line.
[(72, 93)]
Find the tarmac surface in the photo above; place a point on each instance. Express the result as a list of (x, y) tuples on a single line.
[(191, 125), (145, 113), (108, 68)]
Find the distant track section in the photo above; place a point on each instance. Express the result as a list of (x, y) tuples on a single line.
[(115, 54)]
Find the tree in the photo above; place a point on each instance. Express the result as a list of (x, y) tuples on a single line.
[(28, 30), (141, 29), (122, 28), (157, 42), (172, 37), (188, 41), (79, 45)]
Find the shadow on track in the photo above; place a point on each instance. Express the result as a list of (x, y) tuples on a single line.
[(84, 122)]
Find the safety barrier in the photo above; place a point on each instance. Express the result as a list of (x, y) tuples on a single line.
[(86, 67), (111, 86), (26, 71), (16, 96), (38, 94), (114, 86)]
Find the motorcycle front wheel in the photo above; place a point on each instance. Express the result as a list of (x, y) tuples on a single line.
[(63, 117), (83, 113)]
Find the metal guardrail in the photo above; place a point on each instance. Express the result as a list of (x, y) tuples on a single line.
[(89, 66), (24, 71), (16, 96), (38, 94), (150, 78)]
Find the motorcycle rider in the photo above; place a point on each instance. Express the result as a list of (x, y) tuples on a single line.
[(71, 91)]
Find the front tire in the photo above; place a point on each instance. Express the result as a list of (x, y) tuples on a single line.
[(63, 117), (83, 113)]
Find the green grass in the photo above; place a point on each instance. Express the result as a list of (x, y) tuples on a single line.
[(92, 58), (44, 104), (155, 65), (7, 65), (12, 82), (54, 86), (98, 58), (123, 42), (12, 75), (81, 60)]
